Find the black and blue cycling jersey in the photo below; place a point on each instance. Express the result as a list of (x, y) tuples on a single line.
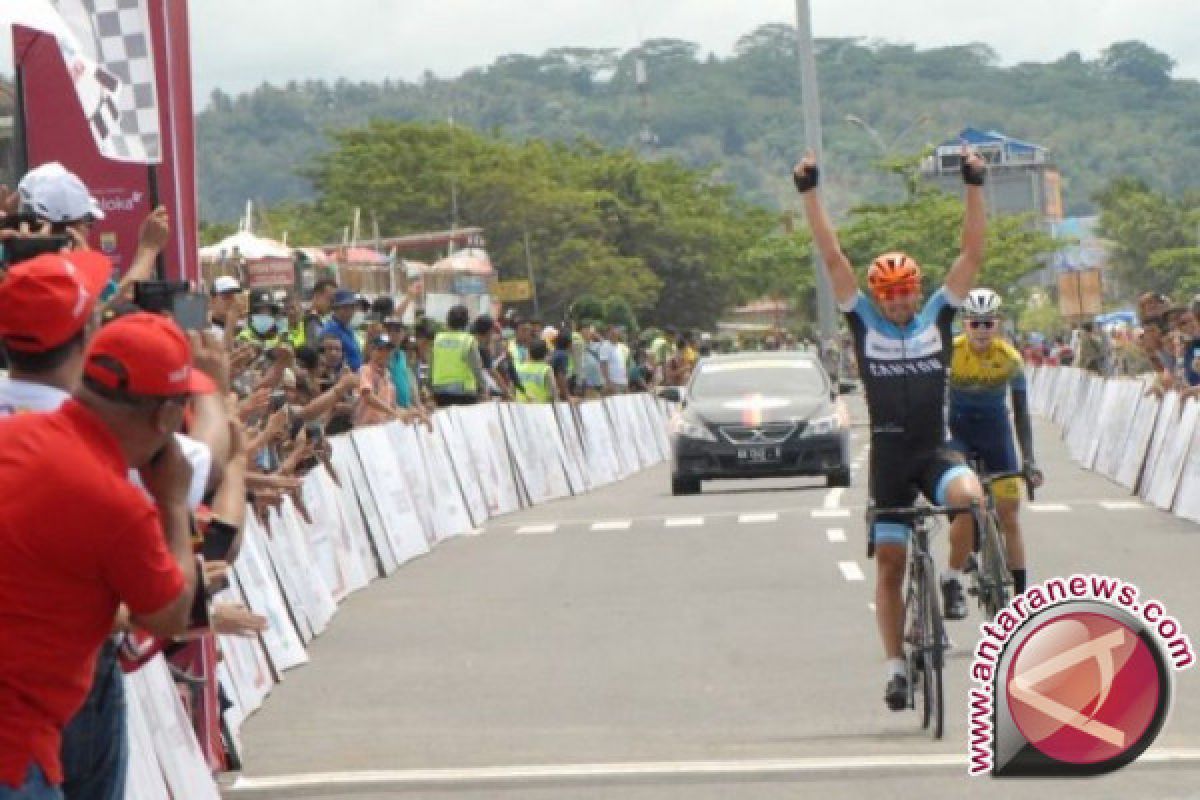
[(903, 368)]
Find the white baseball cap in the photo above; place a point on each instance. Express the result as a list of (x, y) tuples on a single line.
[(55, 194), (225, 284)]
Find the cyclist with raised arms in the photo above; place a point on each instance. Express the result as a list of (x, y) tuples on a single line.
[(983, 371), (903, 348)]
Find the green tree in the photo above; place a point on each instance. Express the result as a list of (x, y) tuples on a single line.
[(1138, 62), (1140, 222)]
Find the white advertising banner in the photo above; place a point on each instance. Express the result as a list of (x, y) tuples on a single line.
[(170, 731), (568, 429), (356, 494), (450, 516), (398, 513), (464, 467)]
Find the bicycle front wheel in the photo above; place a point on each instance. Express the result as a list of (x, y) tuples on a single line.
[(933, 655), (994, 567)]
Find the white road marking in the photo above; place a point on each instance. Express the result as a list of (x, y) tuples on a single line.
[(683, 522), (830, 513), (662, 769), (751, 519), (851, 571), (612, 525), (1123, 505), (551, 528), (834, 498), (836, 535), (1049, 507)]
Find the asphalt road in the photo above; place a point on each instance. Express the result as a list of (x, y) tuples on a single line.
[(629, 644)]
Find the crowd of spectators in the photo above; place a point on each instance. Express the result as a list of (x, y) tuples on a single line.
[(1163, 343), (133, 443)]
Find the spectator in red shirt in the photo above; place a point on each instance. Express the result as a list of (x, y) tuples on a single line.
[(79, 539)]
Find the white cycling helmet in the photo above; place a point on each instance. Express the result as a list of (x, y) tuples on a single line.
[(981, 303)]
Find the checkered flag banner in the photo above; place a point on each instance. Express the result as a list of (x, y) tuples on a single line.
[(106, 47)]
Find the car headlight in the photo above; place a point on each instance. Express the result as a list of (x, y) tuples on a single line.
[(689, 428), (819, 426)]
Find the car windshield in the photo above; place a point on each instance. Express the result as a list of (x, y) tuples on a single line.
[(778, 376)]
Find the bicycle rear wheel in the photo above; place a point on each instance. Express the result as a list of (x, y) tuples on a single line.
[(932, 654), (994, 569)]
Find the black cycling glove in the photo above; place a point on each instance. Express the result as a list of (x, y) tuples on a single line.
[(806, 178), (973, 176)]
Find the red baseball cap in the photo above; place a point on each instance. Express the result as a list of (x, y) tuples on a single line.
[(46, 300), (145, 355)]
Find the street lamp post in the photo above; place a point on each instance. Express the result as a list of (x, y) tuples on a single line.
[(886, 149), (812, 137)]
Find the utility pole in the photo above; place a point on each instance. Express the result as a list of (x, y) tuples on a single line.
[(537, 310), (812, 137)]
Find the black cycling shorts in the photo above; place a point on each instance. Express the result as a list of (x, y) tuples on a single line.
[(897, 472)]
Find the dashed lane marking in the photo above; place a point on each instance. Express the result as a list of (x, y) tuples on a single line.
[(828, 511), (836, 535), (851, 571), (753, 519), (612, 525), (1123, 505), (834, 498), (534, 529)]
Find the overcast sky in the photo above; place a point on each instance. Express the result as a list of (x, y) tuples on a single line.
[(238, 44)]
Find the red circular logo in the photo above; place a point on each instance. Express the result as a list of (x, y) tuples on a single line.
[(1083, 688)]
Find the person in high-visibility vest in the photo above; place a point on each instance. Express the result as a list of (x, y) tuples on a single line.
[(518, 347), (263, 328), (456, 371), (537, 377)]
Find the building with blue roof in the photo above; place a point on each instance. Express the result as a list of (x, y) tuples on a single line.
[(1022, 178)]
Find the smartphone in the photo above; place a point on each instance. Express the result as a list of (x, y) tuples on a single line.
[(157, 296), (218, 540), (278, 400), (16, 249), (190, 311), (198, 618), (314, 432)]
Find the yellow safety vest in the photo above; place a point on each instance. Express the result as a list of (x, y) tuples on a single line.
[(514, 351), (533, 375), (248, 334), (451, 369)]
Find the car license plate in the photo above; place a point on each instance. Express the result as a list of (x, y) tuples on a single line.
[(758, 455)]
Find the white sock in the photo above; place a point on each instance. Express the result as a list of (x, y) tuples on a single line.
[(952, 575), (896, 666)]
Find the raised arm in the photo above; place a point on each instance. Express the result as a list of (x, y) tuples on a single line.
[(961, 276), (837, 266)]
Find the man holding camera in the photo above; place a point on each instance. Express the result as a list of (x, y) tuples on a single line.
[(79, 538)]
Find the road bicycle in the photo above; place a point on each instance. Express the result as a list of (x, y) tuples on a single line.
[(987, 567), (925, 641)]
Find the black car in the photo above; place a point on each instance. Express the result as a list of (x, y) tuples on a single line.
[(758, 415)]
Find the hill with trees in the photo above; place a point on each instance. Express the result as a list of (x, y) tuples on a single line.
[(1119, 114)]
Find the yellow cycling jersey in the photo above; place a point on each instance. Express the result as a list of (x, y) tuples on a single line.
[(983, 379)]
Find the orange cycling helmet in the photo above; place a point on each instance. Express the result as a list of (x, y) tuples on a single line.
[(893, 271)]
